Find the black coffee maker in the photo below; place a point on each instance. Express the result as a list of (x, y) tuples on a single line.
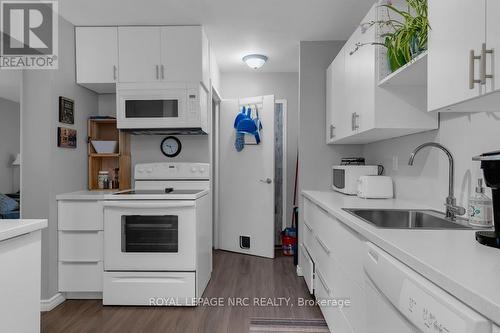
[(490, 163)]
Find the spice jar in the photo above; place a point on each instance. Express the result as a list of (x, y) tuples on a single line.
[(103, 179)]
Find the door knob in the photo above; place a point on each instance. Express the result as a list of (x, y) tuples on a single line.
[(266, 181)]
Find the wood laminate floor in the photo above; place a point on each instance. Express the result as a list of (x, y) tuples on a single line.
[(234, 275)]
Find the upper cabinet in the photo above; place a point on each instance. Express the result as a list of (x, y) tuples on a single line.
[(359, 109), (97, 58), (141, 54), (463, 71)]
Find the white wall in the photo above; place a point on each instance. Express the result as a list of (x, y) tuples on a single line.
[(465, 135), (282, 86), (315, 156), (46, 169), (10, 132)]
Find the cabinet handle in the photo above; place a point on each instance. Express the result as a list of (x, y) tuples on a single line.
[(332, 128), (115, 74), (323, 245), (354, 121), (322, 280), (472, 60), (157, 72), (484, 52), (162, 72), (308, 226)]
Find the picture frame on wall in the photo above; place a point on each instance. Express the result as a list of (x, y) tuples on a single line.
[(66, 137), (66, 110)]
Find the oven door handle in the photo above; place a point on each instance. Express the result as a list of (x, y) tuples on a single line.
[(146, 205)]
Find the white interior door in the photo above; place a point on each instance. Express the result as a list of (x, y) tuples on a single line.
[(246, 182)]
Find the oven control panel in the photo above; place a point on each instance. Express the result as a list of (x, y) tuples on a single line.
[(168, 171)]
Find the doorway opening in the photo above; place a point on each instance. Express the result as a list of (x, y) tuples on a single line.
[(280, 163)]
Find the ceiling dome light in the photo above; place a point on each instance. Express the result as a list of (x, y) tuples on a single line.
[(255, 61)]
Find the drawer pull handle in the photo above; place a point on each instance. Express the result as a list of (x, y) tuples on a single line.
[(322, 280), (308, 226), (323, 245), (323, 210), (373, 256)]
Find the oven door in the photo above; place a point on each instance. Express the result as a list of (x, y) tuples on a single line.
[(149, 235), (144, 109)]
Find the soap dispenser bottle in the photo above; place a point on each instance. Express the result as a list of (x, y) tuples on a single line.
[(480, 207)]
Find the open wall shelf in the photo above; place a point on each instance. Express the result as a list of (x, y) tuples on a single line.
[(105, 129)]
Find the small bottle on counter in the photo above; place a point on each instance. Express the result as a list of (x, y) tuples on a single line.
[(480, 207)]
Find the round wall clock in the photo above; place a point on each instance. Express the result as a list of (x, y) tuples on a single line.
[(171, 146)]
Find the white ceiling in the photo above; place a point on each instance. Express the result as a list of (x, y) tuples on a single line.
[(234, 27)]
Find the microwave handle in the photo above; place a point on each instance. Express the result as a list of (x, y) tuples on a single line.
[(147, 205)]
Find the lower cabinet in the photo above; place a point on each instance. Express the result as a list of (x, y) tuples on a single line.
[(361, 288), (336, 257), (80, 243)]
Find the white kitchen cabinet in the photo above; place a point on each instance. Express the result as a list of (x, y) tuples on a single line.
[(493, 43), (462, 57), (449, 55), (97, 58), (336, 254), (358, 109), (335, 99), (20, 261), (181, 53), (80, 233), (139, 50), (205, 61)]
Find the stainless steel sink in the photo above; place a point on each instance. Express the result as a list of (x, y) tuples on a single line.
[(408, 219)]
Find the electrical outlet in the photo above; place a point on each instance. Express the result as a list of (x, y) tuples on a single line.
[(395, 163)]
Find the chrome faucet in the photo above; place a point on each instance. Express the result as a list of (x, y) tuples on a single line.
[(451, 202)]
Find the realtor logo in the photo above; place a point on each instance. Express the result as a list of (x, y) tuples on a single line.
[(29, 34)]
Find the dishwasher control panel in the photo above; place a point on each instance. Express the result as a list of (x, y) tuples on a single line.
[(422, 303)]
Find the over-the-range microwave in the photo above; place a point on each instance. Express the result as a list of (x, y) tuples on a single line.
[(156, 106)]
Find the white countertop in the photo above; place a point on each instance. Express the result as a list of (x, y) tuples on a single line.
[(452, 259), (14, 228), (85, 195)]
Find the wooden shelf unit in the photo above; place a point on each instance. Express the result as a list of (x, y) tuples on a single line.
[(105, 129)]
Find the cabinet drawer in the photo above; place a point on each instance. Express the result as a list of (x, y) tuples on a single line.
[(80, 215), (80, 246), (80, 276), (139, 288), (307, 267), (309, 207), (333, 315), (345, 245), (307, 236), (348, 288)]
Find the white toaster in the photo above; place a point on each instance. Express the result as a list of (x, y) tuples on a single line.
[(375, 187)]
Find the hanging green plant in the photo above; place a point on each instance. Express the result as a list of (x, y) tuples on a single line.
[(407, 35)]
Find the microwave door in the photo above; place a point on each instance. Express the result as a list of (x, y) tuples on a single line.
[(158, 108)]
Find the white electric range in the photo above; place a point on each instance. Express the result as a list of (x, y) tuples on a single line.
[(158, 236)]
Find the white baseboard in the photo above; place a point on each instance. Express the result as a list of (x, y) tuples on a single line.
[(51, 303), (299, 271)]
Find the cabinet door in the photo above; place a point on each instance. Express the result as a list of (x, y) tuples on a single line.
[(450, 45), (139, 49), (330, 127), (493, 43), (338, 113), (205, 54), (96, 54), (181, 50), (360, 77)]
